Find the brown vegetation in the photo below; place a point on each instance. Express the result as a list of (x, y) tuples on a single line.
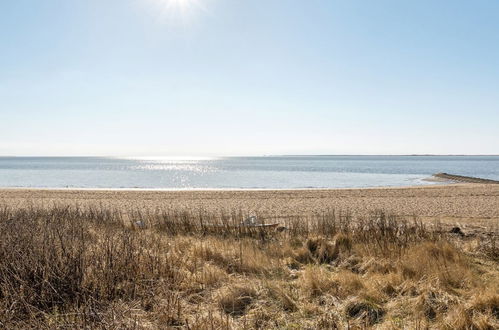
[(68, 267)]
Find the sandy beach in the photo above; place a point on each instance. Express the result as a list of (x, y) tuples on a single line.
[(454, 203)]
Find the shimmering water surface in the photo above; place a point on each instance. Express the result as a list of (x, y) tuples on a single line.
[(276, 172)]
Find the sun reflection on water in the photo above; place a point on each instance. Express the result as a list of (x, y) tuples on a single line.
[(189, 164)]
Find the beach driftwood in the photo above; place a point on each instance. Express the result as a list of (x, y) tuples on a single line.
[(253, 221), (461, 178)]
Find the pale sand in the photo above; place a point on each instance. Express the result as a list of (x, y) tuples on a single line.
[(457, 202)]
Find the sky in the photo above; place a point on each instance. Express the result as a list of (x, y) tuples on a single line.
[(259, 77)]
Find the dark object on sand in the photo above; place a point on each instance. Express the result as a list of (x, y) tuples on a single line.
[(281, 228), (456, 230), (461, 178)]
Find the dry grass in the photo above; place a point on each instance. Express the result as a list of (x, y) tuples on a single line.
[(69, 267)]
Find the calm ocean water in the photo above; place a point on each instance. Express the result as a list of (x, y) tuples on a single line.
[(238, 172)]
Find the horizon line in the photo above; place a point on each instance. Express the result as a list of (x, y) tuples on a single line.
[(242, 156)]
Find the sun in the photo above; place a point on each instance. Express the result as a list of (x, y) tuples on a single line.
[(181, 5), (178, 11)]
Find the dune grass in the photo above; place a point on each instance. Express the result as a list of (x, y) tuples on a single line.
[(70, 267)]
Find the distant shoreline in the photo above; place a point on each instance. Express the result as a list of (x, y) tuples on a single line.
[(389, 155), (243, 156)]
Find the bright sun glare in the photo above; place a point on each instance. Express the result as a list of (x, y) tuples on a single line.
[(178, 11)]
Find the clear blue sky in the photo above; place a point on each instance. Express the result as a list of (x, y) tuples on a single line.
[(228, 77)]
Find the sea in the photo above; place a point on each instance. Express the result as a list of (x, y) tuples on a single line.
[(267, 172)]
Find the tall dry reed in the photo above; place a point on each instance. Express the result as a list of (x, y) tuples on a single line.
[(100, 268)]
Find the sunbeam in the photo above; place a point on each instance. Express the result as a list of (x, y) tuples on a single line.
[(178, 11)]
